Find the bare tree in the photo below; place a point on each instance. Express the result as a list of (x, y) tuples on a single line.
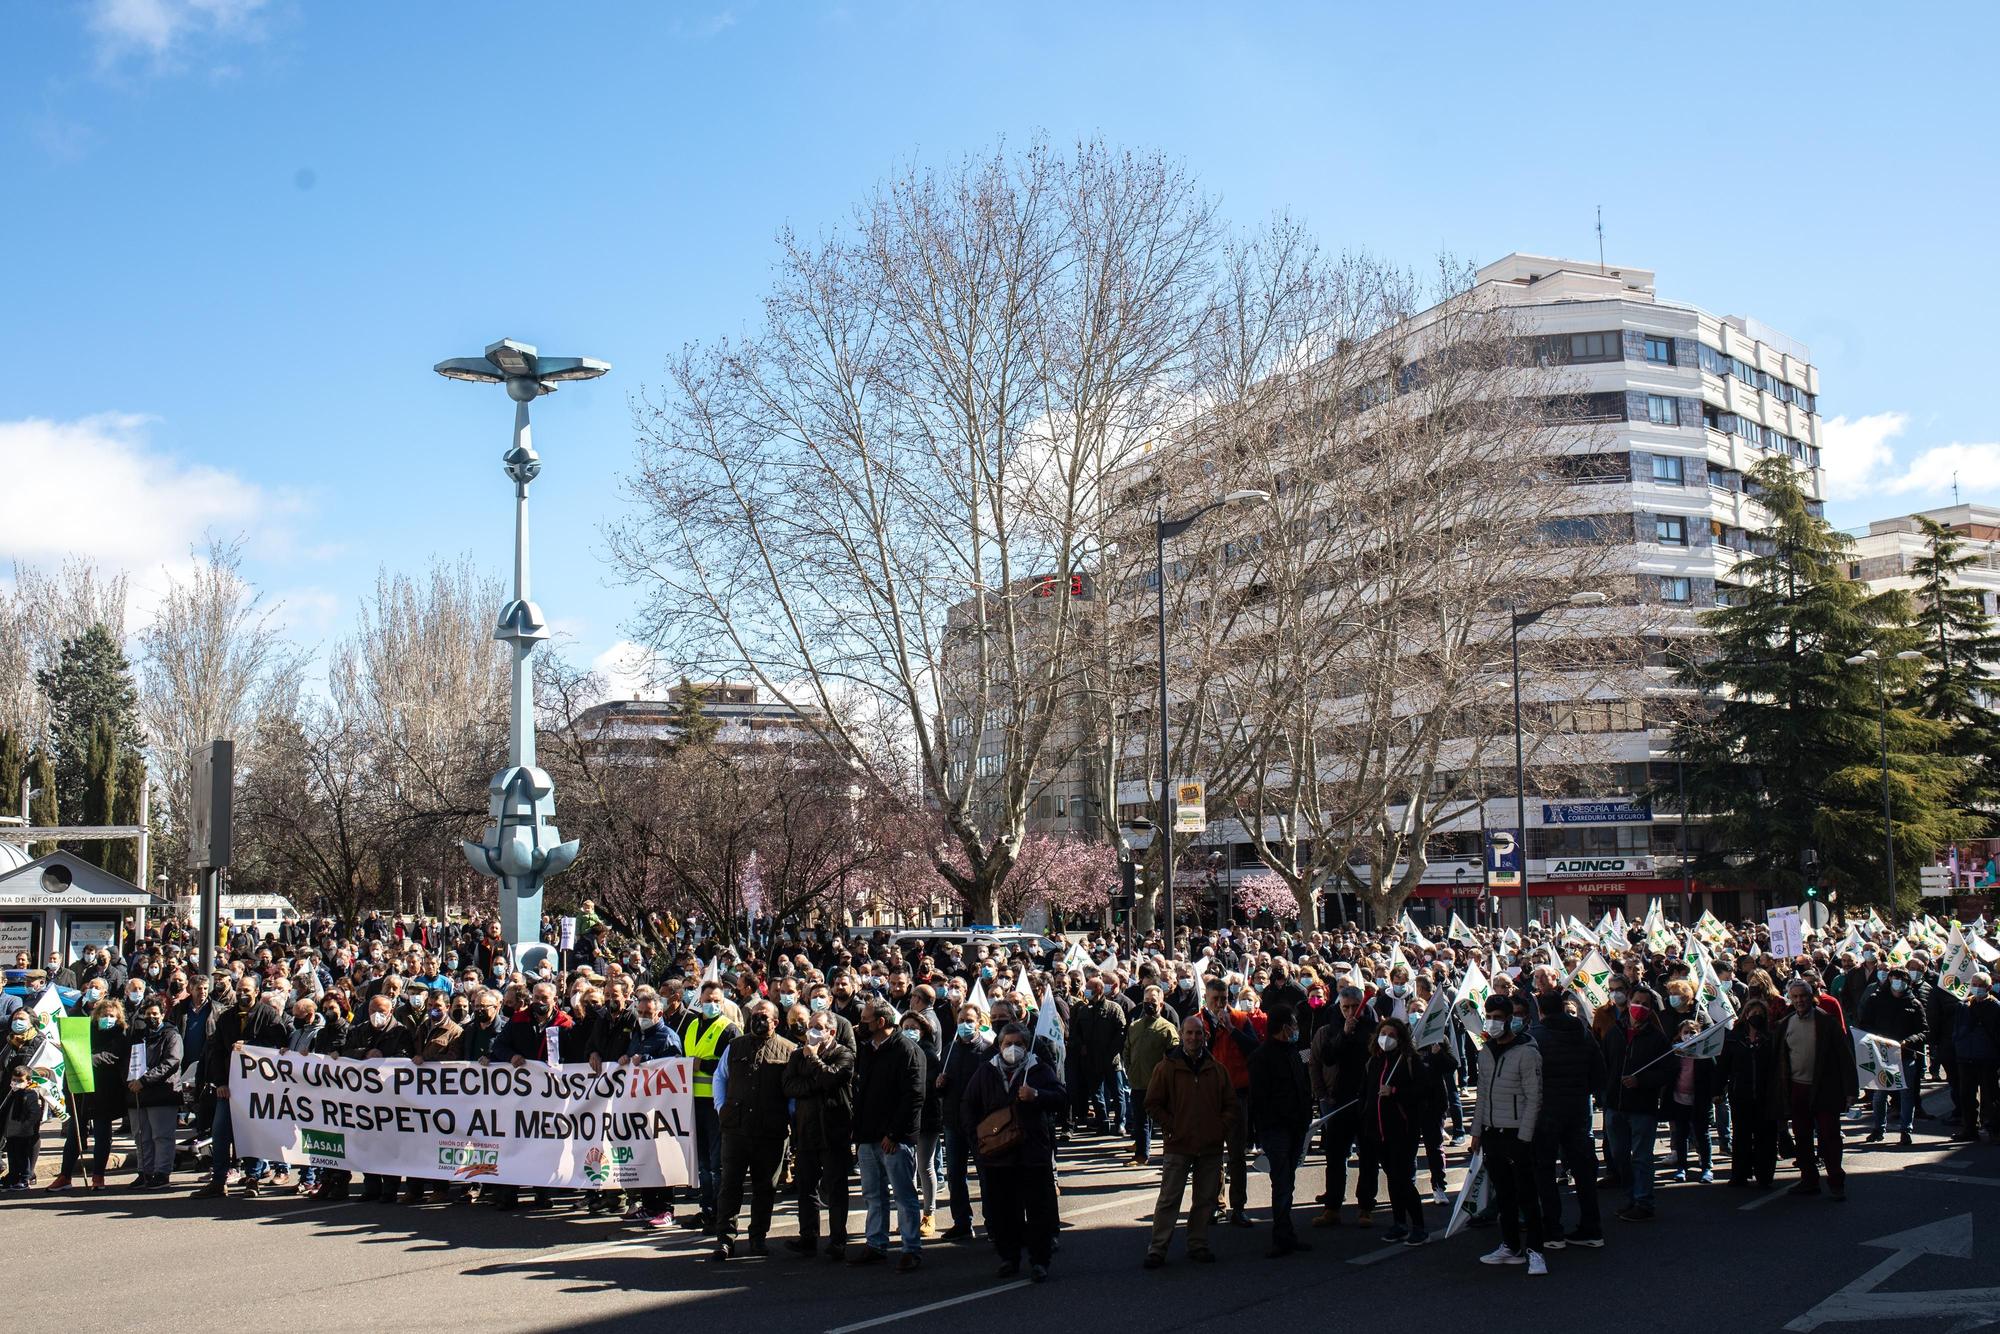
[(44, 610), (859, 504), (210, 648)]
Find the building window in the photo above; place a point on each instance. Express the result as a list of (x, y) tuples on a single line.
[(1669, 470), (1662, 410), (1676, 588), (1670, 530), (1597, 346), (1659, 349), (989, 766)]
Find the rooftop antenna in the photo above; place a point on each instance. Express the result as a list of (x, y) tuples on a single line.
[(1600, 239), (1954, 486)]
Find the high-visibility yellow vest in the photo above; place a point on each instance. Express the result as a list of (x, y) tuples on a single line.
[(706, 1049)]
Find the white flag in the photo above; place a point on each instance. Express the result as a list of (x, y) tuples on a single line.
[(1879, 1061)]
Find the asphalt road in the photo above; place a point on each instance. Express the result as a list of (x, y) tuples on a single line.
[(1740, 1260)]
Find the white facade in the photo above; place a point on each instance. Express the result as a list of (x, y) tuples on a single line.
[(1883, 556)]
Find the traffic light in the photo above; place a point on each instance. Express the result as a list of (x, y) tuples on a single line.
[(1127, 892), (1809, 872)]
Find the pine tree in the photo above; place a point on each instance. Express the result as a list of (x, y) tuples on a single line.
[(100, 788), (689, 719), (13, 768), (44, 812), (1959, 640), (1784, 748), (90, 681), (122, 855)]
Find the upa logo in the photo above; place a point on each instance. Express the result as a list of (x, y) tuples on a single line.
[(600, 1162), (466, 1161), (323, 1148)]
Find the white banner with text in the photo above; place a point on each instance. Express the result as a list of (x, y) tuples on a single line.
[(561, 1127)]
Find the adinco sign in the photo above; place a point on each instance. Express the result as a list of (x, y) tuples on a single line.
[(1588, 866)]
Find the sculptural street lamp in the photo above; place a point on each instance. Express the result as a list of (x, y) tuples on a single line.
[(522, 847)]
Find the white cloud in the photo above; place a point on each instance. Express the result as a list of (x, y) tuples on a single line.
[(158, 28), (96, 488), (1855, 450), (626, 668), (1862, 461)]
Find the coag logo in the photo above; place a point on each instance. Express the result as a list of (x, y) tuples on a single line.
[(465, 1161)]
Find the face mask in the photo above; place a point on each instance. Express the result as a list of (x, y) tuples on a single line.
[(819, 1037), (1152, 1009), (1495, 1027), (21, 1025), (787, 999), (760, 1025), (986, 973), (1013, 1055), (1386, 1041), (688, 996), (1678, 1002), (1979, 993), (1899, 986), (539, 1009), (1881, 975), (711, 1009), (1516, 1025), (817, 1004), (379, 1019), (911, 1034), (107, 1023), (1381, 984), (141, 1025), (1639, 1013), (94, 995), (1759, 1022)]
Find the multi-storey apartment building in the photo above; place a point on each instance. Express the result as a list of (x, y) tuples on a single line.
[(1682, 404), (1884, 556)]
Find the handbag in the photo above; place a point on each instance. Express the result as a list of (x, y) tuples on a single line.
[(1000, 1132)]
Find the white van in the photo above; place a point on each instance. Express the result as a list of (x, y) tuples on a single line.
[(265, 912)]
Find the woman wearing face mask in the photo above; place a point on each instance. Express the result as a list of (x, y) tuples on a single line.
[(1017, 1183), (96, 1113), (969, 1049), (915, 1028), (1633, 1059), (1395, 1086), (1893, 1011), (1744, 1073), (152, 1080), (1690, 1092)]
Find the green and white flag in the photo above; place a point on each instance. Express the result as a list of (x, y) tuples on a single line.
[(1432, 1026), (1710, 928), (1658, 935), (1468, 1003), (45, 1065), (1959, 965), (1396, 957), (1714, 999), (1593, 980), (1460, 932), (1900, 952), (1984, 952), (1705, 1045), (1410, 932), (1879, 1061), (1875, 922)]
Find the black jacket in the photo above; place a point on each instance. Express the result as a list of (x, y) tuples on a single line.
[(992, 1088), (1572, 1069), (822, 1081), (1638, 1053), (260, 1026), (756, 1101), (160, 1085), (888, 1091), (1744, 1068), (1888, 1015), (1280, 1089)]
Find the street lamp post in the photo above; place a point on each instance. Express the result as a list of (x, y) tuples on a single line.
[(1164, 528), (522, 847), (1865, 656), (1517, 619)]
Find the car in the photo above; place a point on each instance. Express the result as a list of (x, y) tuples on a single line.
[(1008, 938)]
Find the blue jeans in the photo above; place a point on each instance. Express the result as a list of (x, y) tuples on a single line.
[(1112, 1092), (883, 1175), (223, 1147), (707, 1150), (1632, 1147), (1906, 1109), (1141, 1127)]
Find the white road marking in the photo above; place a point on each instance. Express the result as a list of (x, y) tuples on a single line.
[(926, 1310), (1763, 1200), (1952, 1176)]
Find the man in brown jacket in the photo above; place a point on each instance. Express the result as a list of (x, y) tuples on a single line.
[(1191, 1099), (1812, 1080)]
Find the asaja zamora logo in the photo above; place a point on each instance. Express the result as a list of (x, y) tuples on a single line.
[(599, 1163), (466, 1161), (320, 1145)]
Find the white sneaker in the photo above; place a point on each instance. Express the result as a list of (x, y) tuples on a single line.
[(1503, 1254), (1439, 1197), (1536, 1264)]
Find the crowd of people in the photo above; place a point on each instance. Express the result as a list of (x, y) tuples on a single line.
[(924, 1072)]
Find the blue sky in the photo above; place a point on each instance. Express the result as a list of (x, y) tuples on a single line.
[(239, 232)]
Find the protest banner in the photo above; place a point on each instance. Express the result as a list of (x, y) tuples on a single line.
[(560, 1127)]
